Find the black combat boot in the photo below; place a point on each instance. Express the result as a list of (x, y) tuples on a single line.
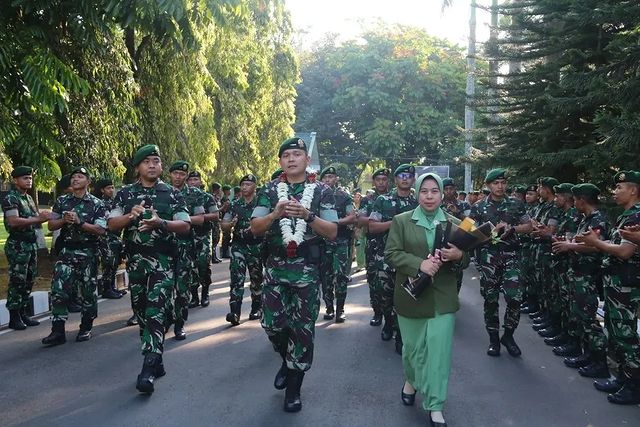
[(233, 316), (178, 330), (376, 320), (292, 402), (629, 394), (508, 341), (494, 344), (204, 301), (26, 319), (132, 321), (195, 299), (74, 306), (256, 308), (160, 372), (280, 381), (559, 339), (340, 316), (544, 324), (15, 321), (570, 349), (148, 373), (329, 314), (387, 330), (84, 334), (610, 385), (110, 292), (550, 332), (579, 361), (57, 335), (597, 368)]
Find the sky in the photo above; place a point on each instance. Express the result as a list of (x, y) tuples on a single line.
[(314, 18)]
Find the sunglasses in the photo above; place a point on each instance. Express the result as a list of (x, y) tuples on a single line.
[(405, 175)]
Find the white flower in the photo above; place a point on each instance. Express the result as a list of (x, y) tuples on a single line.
[(288, 225)]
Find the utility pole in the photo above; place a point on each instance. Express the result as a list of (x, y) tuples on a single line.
[(469, 107)]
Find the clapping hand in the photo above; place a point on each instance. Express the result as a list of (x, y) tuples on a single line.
[(151, 223)]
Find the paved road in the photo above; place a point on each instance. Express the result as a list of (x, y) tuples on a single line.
[(222, 376)]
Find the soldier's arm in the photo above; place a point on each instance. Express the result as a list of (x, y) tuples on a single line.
[(15, 221), (98, 230), (377, 227), (227, 222), (260, 224), (624, 250), (56, 220)]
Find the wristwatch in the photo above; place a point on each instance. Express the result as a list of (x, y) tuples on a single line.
[(310, 218), (163, 224)]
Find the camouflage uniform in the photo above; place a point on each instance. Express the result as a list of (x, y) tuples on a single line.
[(384, 209), (527, 264), (151, 258), (336, 263), (562, 296), (186, 271), (499, 263), (110, 251), (622, 300), (21, 250), (585, 274), (549, 215), (226, 235), (203, 242), (77, 260), (372, 242), (290, 294), (215, 229), (460, 210), (246, 254)]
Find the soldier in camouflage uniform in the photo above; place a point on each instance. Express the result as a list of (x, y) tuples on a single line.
[(622, 292), (151, 214), (336, 263), (82, 219), (562, 292), (380, 180), (246, 252), (216, 192), (225, 204), (499, 262), (292, 282), (527, 266), (585, 279), (203, 237), (187, 280), (109, 246), (20, 219), (385, 207), (456, 208)]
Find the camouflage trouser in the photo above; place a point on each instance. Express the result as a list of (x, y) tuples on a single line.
[(203, 260), (226, 241), (372, 272), (561, 302), (544, 278), (74, 268), (621, 308), (334, 271), (245, 257), (289, 319), (151, 278), (383, 293), (527, 271), (185, 279), (23, 268), (584, 305), (215, 237), (500, 270), (110, 251), (533, 275)]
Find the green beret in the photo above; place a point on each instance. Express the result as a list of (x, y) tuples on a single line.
[(448, 182), (80, 169), (194, 174), (404, 168), (475, 192), (236, 189), (215, 186), (549, 182), (587, 189), (179, 165), (564, 188), (21, 171), (495, 174), (292, 144), (627, 176), (532, 187), (248, 177), (328, 170), (520, 189), (144, 152), (462, 193), (102, 182), (486, 191), (381, 172), (226, 187), (276, 174)]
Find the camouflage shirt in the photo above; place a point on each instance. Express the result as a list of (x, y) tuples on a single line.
[(589, 263), (168, 203), (22, 206), (343, 203), (531, 209), (456, 208), (567, 226), (384, 209), (629, 270), (208, 202), (108, 206), (241, 210), (89, 209), (193, 199), (301, 269), (507, 210), (547, 214)]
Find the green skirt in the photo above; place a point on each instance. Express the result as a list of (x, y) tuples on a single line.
[(426, 356)]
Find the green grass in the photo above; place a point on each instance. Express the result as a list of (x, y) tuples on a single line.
[(3, 238)]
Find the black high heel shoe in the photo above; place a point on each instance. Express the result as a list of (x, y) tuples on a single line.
[(407, 399), (435, 424)]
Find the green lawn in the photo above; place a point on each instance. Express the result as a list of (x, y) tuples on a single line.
[(4, 235)]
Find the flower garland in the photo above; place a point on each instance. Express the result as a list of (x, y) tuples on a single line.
[(293, 229)]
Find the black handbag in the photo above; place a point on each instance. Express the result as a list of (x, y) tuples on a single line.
[(415, 286)]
